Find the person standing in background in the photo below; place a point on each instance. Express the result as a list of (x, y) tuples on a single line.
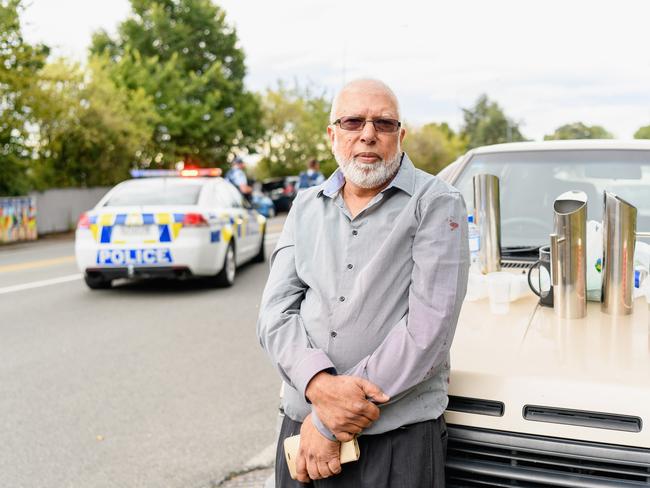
[(312, 176), (237, 176)]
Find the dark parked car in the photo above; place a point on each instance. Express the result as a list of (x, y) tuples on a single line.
[(281, 190)]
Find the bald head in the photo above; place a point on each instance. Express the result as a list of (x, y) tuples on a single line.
[(362, 86)]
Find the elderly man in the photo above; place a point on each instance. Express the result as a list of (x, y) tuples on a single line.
[(361, 305)]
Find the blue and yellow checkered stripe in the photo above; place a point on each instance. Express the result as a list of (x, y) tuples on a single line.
[(169, 226)]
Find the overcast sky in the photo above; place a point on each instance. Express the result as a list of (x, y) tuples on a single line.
[(545, 62)]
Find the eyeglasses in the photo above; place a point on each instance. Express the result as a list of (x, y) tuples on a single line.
[(357, 124)]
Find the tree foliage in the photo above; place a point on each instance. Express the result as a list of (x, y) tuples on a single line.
[(578, 130), (19, 65), (643, 133), (185, 56), (91, 131), (433, 146), (295, 119), (486, 123)]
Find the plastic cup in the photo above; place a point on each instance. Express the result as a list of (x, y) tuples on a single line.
[(499, 292), (476, 287)]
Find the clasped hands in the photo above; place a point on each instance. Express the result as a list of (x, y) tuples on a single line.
[(346, 406)]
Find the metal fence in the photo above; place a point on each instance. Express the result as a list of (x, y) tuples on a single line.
[(59, 209)]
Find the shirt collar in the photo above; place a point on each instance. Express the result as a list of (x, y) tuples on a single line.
[(333, 184), (403, 180), (405, 177)]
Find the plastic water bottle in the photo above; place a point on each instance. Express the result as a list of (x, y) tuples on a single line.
[(474, 243)]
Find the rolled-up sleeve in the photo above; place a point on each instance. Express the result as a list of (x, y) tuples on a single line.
[(418, 345), (280, 328)]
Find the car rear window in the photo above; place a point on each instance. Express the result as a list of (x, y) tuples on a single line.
[(155, 193)]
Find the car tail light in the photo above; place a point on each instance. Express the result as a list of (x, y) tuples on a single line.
[(84, 221), (194, 220), (288, 190)]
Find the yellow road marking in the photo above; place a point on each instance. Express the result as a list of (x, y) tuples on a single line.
[(36, 264)]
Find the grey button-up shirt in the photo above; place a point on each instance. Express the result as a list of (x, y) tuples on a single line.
[(375, 296)]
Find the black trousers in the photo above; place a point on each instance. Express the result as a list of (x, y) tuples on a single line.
[(412, 456)]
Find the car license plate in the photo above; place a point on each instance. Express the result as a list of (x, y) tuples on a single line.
[(125, 257), (140, 232)]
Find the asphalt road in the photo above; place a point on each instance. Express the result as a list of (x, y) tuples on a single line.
[(149, 384)]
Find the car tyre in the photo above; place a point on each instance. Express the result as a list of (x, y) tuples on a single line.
[(260, 257), (97, 282), (226, 277)]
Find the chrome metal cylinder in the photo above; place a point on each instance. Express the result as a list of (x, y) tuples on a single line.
[(487, 215), (569, 255), (619, 240)]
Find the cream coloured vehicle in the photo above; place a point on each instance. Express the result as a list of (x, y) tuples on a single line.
[(537, 401)]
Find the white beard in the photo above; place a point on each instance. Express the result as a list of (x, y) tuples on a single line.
[(369, 175)]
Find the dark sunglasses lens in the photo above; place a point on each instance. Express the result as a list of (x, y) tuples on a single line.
[(386, 125), (352, 123)]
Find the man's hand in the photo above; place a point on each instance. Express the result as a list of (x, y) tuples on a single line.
[(318, 457), (343, 403)]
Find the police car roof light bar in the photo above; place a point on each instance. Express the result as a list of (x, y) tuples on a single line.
[(151, 173)]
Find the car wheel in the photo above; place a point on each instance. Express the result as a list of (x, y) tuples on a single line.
[(260, 257), (226, 277), (96, 281)]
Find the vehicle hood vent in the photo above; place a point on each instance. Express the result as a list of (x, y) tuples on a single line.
[(509, 263), (475, 405), (596, 420)]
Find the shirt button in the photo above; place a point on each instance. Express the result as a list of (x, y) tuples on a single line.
[(350, 266), (333, 334), (355, 232), (341, 299)]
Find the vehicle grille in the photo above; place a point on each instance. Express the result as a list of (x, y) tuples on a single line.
[(487, 458)]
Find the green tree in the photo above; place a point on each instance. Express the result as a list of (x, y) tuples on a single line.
[(91, 131), (433, 146), (643, 133), (19, 65), (486, 123), (578, 130), (185, 56), (296, 122)]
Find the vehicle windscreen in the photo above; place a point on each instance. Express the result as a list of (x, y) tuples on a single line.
[(162, 192), (530, 182)]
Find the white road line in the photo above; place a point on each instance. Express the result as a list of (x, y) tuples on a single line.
[(39, 284)]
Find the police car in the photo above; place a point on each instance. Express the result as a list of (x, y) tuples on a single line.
[(166, 223)]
